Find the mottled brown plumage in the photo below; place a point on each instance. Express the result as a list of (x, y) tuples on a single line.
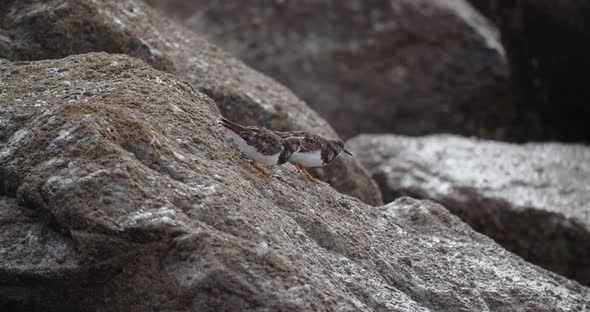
[(275, 148), (310, 142), (265, 142)]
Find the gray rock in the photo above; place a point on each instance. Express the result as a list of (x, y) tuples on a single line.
[(55, 29), (34, 253), (534, 199), (406, 66), (129, 177)]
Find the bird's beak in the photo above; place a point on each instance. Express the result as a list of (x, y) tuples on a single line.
[(347, 152)]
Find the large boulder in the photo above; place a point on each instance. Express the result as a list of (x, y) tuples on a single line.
[(35, 30), (533, 199), (548, 43), (119, 194), (405, 66)]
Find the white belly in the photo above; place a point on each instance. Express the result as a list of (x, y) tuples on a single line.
[(250, 151), (308, 159)]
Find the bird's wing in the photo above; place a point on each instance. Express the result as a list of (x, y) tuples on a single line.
[(288, 134), (240, 130), (310, 143), (266, 142), (247, 133)]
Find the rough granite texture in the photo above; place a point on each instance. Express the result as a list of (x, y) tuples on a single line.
[(36, 30), (407, 66), (116, 180), (534, 199)]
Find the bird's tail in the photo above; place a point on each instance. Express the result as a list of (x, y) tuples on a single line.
[(232, 125)]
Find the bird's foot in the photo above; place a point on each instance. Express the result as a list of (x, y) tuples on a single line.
[(304, 171), (297, 167), (260, 168)]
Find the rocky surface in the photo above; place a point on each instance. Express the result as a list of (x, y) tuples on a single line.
[(119, 193), (533, 199), (34, 254), (407, 66), (547, 43), (32, 30)]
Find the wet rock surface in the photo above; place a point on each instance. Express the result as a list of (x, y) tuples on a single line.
[(33, 30), (547, 43), (124, 172), (409, 67), (534, 199)]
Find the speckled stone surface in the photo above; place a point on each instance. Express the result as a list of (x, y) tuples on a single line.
[(533, 198)]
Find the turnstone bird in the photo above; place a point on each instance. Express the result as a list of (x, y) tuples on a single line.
[(262, 146), (312, 150)]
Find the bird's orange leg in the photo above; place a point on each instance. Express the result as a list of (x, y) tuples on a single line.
[(259, 167), (307, 173), (297, 167)]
